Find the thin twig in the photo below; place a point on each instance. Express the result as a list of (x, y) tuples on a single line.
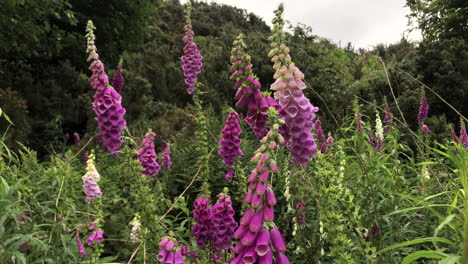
[(134, 253), (85, 145)]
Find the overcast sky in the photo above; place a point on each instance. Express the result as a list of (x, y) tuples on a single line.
[(364, 23)]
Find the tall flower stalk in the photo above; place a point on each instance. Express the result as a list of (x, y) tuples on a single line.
[(296, 110), (118, 81), (192, 59), (248, 87), (258, 235), (423, 108), (147, 156), (107, 104), (90, 180), (230, 142)]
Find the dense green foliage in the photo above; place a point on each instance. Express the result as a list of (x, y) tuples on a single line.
[(399, 205)]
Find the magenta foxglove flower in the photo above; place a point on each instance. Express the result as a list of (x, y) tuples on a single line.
[(147, 156), (319, 131), (107, 104), (202, 214), (223, 224), (454, 135), (388, 119), (359, 124), (425, 129), (230, 143), (167, 157), (192, 59), (327, 144), (118, 81), (463, 136), (81, 248), (248, 90), (90, 180), (256, 233), (297, 112), (423, 109), (170, 253), (76, 138)]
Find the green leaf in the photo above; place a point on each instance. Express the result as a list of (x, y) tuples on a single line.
[(451, 259), (415, 241), (423, 254)]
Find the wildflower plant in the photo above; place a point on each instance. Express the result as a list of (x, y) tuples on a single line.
[(147, 156), (295, 109), (248, 87), (230, 142), (192, 59), (118, 81), (107, 104), (90, 180), (258, 235)]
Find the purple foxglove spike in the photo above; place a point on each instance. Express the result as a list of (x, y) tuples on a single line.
[(425, 129), (359, 125), (118, 81), (319, 131), (178, 258), (256, 222), (277, 240), (253, 185), (167, 157), (248, 238), (267, 258), (454, 135), (463, 136), (229, 174), (81, 248), (162, 255), (282, 259), (250, 256), (270, 197), (230, 142), (169, 245), (268, 213), (263, 242), (388, 118), (99, 236), (423, 109), (147, 156), (245, 220), (107, 104)]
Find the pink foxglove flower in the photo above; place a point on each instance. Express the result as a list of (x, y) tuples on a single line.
[(107, 104), (202, 215), (223, 223), (359, 124), (90, 180), (423, 109), (295, 109), (81, 248), (388, 119), (118, 81), (147, 156), (192, 59), (167, 157), (327, 144), (425, 129), (257, 234), (170, 252), (454, 135), (230, 143), (248, 90), (319, 131), (463, 136)]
